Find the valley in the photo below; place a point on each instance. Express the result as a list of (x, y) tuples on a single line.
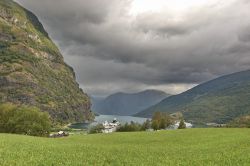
[(138, 82)]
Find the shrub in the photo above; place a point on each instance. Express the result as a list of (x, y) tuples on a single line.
[(24, 120), (130, 127), (240, 122), (96, 129)]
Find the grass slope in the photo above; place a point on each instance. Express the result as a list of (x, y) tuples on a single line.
[(180, 147)]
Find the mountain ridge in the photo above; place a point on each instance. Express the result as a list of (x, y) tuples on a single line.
[(214, 101), (122, 103)]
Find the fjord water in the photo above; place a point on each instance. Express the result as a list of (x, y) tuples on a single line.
[(121, 119), (109, 118)]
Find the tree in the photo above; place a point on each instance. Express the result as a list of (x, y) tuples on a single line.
[(157, 116), (182, 125), (161, 120), (146, 125), (24, 120), (155, 125), (163, 123), (130, 127)]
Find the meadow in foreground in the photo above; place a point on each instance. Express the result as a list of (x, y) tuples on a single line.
[(178, 147)]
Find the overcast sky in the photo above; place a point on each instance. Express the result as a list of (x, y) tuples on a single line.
[(132, 45)]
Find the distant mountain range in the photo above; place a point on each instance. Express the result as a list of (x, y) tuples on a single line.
[(127, 104), (219, 100)]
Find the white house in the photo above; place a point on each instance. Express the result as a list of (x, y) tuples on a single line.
[(110, 127)]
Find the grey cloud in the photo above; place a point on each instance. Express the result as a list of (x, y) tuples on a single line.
[(110, 48), (74, 11), (244, 35)]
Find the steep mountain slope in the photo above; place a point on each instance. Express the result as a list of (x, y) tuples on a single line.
[(128, 104), (219, 100), (96, 101), (32, 70)]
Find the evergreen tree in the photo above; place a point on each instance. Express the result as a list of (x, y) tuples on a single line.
[(182, 125)]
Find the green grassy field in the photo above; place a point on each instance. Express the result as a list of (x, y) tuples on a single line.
[(180, 147)]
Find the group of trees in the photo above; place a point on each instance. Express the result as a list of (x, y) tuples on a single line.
[(160, 120), (132, 126), (240, 122), (24, 120)]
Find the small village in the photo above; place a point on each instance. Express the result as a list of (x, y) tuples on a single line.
[(109, 127)]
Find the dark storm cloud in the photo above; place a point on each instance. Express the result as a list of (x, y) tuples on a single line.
[(110, 48)]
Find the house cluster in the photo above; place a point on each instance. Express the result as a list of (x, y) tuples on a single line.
[(110, 127), (215, 125), (59, 134)]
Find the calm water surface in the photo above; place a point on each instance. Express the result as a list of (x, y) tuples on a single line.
[(109, 118)]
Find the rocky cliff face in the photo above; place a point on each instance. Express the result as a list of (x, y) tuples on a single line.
[(32, 70)]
